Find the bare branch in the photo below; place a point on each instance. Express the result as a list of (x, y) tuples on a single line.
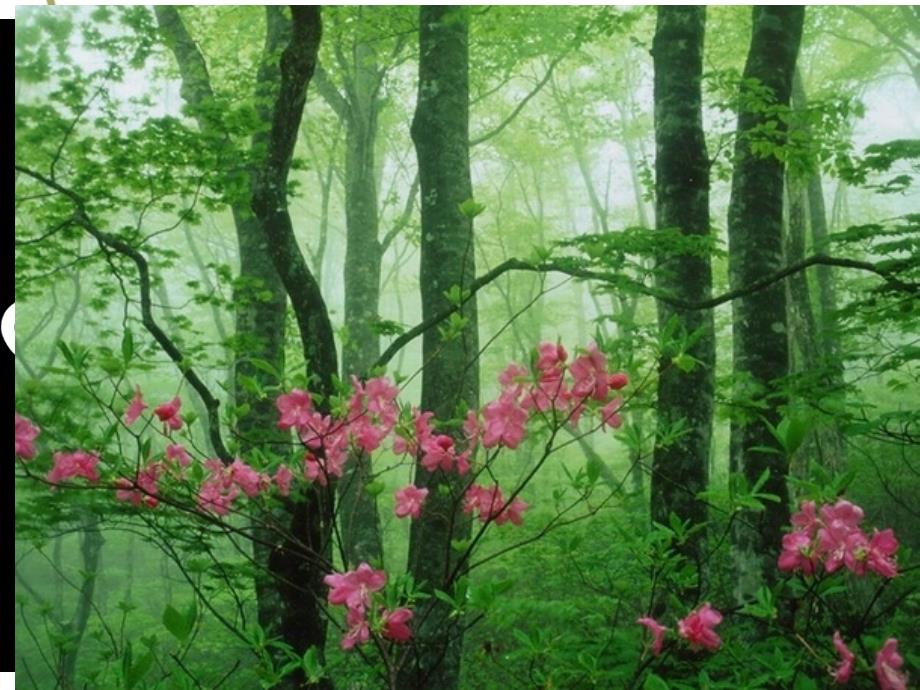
[(626, 283), (82, 219)]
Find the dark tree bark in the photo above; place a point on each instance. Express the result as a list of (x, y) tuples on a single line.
[(761, 353), (301, 560), (259, 298), (440, 131), (681, 469)]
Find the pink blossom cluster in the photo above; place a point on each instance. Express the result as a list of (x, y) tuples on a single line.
[(225, 483), (409, 501), (326, 440), (26, 433), (831, 536), (168, 412), (79, 463), (554, 385), (491, 505), (144, 488), (435, 451), (888, 663), (697, 628), (354, 589)]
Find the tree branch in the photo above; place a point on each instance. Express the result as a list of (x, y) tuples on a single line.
[(105, 239), (520, 106), (330, 94), (626, 283), (403, 219)]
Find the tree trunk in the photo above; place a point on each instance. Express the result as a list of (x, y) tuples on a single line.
[(761, 353), (832, 443), (360, 522), (258, 297), (301, 560), (290, 596), (680, 469), (90, 551), (440, 132)]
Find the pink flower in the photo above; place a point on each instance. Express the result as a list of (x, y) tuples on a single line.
[(806, 519), (135, 407), (249, 480), (26, 432), (504, 422), (143, 489), (797, 554), (409, 501), (551, 356), (353, 588), (843, 513), (395, 624), (472, 429), (845, 667), (657, 631), (610, 414), (76, 464), (439, 451), (372, 412), (617, 381), (697, 628), (513, 512), (176, 452), (549, 393), (836, 541), (283, 477), (421, 422), (295, 408), (887, 665), (218, 492), (512, 377), (490, 504), (319, 470), (168, 413), (358, 631), (590, 374), (377, 398), (880, 551)]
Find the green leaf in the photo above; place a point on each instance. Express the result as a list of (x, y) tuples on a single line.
[(179, 624), (445, 597), (654, 682), (470, 208), (312, 665), (686, 363), (127, 346), (593, 469), (374, 488)]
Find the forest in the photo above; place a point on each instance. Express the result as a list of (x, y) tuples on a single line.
[(467, 347)]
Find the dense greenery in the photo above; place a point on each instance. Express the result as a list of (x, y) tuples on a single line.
[(654, 271)]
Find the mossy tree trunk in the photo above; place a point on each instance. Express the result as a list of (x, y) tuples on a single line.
[(760, 348), (440, 132), (680, 469), (259, 298)]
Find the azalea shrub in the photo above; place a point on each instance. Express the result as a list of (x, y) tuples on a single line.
[(803, 631), (169, 474)]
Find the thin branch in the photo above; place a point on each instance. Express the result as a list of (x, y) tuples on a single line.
[(520, 106), (627, 283), (404, 217), (105, 239)]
